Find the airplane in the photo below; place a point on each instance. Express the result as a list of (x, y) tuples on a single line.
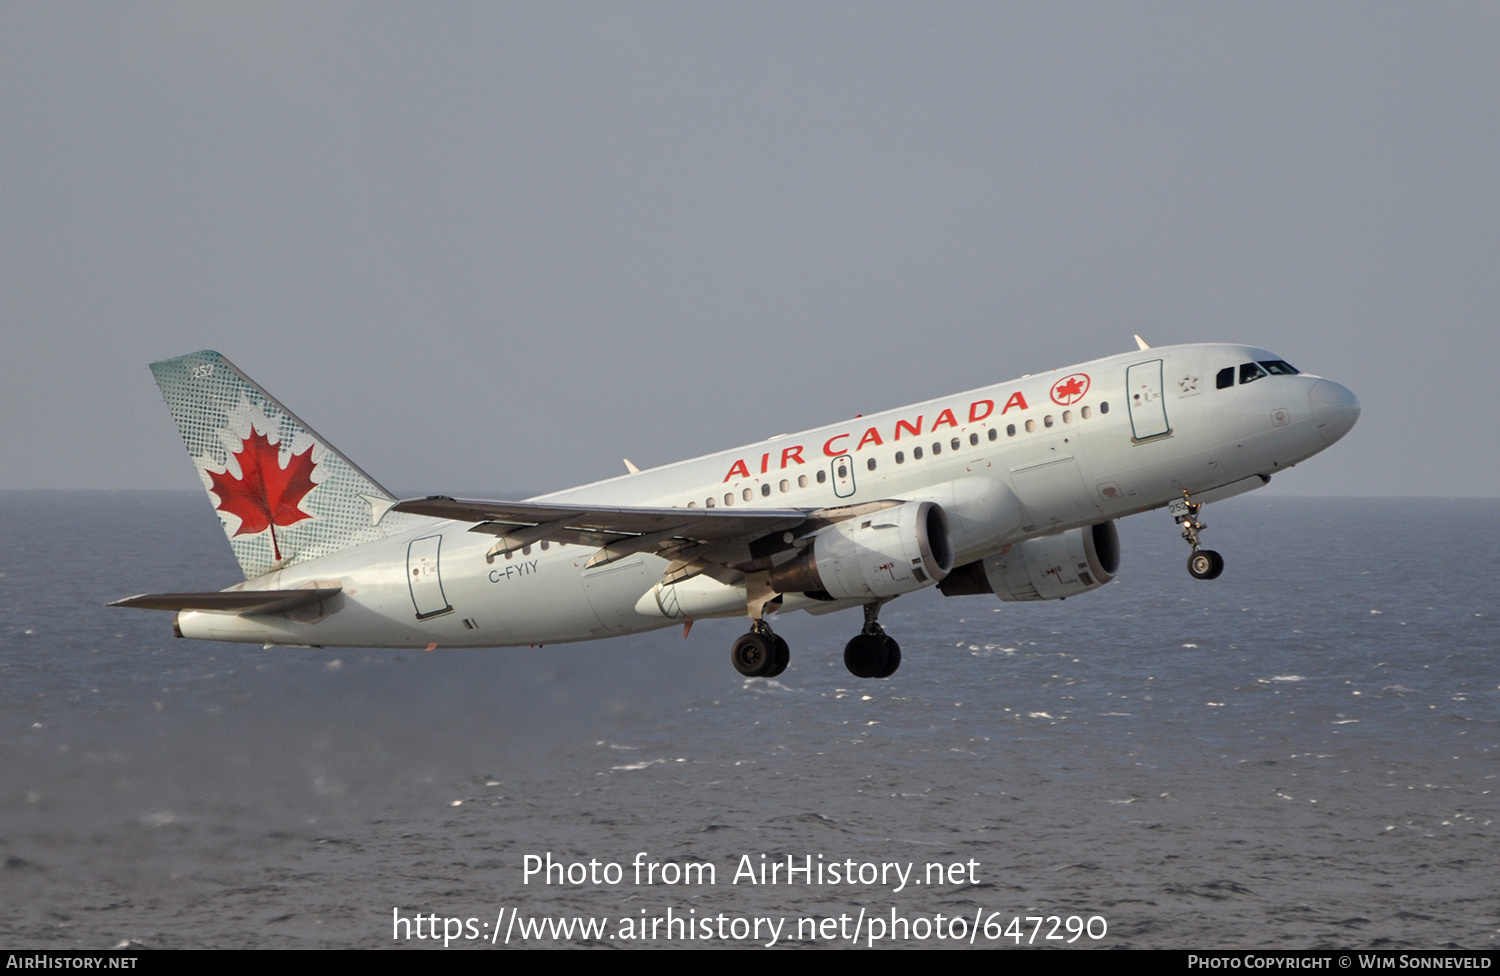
[(1010, 490)]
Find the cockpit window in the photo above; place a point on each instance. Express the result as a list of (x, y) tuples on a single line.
[(1225, 378), (1279, 367), (1250, 372)]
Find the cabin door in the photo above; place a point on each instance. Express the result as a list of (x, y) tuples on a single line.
[(423, 577), (1148, 408)]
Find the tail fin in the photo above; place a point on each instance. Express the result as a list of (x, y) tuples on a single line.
[(283, 494)]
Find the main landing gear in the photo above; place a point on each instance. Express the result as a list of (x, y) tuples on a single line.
[(1204, 564), (760, 653), (872, 654)]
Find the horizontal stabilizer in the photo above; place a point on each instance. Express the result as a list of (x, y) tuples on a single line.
[(233, 601)]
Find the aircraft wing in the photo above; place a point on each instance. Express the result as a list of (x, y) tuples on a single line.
[(718, 542), (603, 522)]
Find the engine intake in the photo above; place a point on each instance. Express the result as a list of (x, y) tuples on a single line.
[(887, 553), (1053, 567)]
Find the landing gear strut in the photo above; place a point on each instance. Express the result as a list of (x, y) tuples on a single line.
[(760, 653), (872, 654), (1204, 564)]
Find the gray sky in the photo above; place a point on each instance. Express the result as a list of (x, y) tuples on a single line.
[(502, 246)]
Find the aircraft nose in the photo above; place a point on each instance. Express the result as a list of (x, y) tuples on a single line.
[(1334, 408)]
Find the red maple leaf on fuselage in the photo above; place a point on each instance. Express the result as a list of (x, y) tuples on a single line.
[(265, 494), (1067, 391)]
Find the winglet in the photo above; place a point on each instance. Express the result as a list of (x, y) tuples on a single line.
[(631, 467), (1141, 343), (378, 506)]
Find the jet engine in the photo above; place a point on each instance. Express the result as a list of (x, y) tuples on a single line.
[(1053, 567), (886, 553)]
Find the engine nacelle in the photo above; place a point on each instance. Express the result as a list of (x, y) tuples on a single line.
[(1053, 567), (887, 553)]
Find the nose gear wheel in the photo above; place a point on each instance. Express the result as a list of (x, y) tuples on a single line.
[(1205, 564)]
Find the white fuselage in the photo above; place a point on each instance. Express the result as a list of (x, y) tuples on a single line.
[(1020, 459)]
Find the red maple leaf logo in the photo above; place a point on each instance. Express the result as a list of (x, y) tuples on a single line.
[(266, 494), (1070, 389)]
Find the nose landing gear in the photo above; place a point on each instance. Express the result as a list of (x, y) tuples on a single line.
[(872, 654), (1204, 564)]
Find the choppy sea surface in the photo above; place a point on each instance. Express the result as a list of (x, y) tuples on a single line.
[(1302, 753)]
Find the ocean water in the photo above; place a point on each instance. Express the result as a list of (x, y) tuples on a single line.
[(1302, 753)]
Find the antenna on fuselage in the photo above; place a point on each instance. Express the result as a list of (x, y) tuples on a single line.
[(1141, 343)]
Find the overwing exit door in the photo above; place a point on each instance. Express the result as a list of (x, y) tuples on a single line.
[(843, 475)]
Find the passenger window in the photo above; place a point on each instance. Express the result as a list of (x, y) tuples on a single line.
[(1085, 413), (822, 476), (765, 489), (708, 503), (900, 457), (1225, 379), (728, 498), (1010, 430), (746, 494), (955, 443), (973, 440), (844, 469), (1250, 372), (937, 448), (786, 486), (801, 481), (870, 464), (546, 544), (1047, 420), (994, 433), (916, 454), (1104, 406), (525, 550), (1067, 416), (1030, 426), (690, 505)]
